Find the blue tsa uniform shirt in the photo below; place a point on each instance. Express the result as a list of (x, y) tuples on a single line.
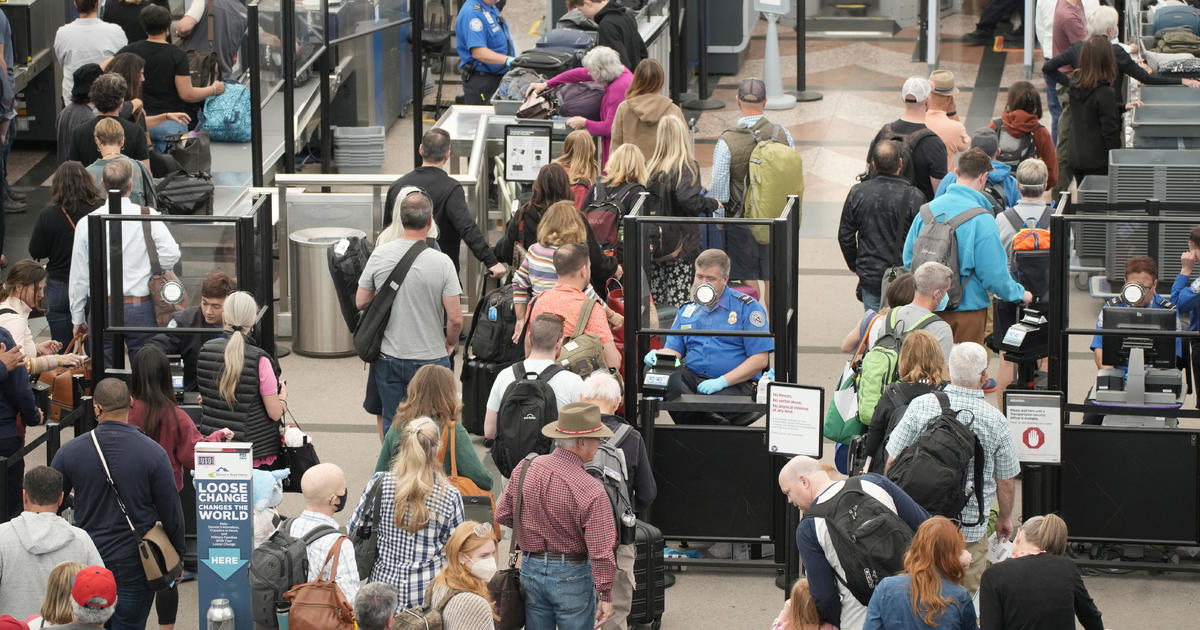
[(1157, 301), (712, 357), (479, 25)]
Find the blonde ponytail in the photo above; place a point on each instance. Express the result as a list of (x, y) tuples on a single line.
[(416, 472), (239, 313)]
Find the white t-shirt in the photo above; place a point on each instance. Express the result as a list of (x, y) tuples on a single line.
[(85, 40), (566, 385), (907, 316)]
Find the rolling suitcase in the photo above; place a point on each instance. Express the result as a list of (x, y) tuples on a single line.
[(477, 379), (649, 574)]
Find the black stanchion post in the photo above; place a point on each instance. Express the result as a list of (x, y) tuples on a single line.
[(256, 140), (802, 92), (921, 53), (288, 38), (677, 34), (633, 297), (417, 12), (702, 100), (266, 271), (114, 302), (324, 68)]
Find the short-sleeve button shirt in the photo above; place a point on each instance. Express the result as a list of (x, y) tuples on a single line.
[(1157, 301), (481, 25), (714, 356), (999, 451)]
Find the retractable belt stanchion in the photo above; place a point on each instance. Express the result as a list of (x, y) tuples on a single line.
[(703, 100), (255, 68), (802, 93), (288, 34), (417, 13)]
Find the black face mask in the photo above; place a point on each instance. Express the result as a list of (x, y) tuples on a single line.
[(341, 502)]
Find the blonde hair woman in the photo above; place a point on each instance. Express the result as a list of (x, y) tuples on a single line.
[(470, 565), (561, 224), (922, 370), (56, 605), (417, 511), (579, 159), (675, 184), (239, 383), (110, 138)]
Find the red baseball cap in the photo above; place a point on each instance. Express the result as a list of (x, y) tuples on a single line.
[(7, 622), (94, 582)]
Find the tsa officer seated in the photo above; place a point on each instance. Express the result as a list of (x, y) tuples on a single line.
[(484, 48), (725, 365)]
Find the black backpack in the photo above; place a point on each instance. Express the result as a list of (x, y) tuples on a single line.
[(604, 211), (492, 327), (1013, 150), (869, 537), (934, 469), (996, 196), (889, 412), (908, 145), (277, 565), (528, 405), (347, 259)]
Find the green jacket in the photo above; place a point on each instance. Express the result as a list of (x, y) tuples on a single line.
[(469, 465)]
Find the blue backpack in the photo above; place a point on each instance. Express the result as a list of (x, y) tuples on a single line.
[(226, 116)]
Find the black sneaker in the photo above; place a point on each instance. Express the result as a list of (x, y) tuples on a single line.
[(16, 195), (979, 38), (1015, 40)]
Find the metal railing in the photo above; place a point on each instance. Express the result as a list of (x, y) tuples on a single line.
[(81, 419)]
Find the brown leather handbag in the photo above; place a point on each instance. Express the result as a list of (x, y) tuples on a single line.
[(61, 381), (159, 277), (320, 604)]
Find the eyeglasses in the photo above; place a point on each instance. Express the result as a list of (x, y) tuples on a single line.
[(483, 530)]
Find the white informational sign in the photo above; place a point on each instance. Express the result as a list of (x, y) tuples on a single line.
[(778, 7), (1035, 419), (526, 151), (794, 414)]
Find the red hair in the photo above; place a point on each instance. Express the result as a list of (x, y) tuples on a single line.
[(933, 555)]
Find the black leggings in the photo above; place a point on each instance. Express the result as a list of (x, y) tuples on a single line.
[(167, 604)]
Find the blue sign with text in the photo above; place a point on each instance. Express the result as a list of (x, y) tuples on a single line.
[(224, 528)]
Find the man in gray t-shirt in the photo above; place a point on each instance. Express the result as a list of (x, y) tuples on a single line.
[(426, 317), (932, 282)]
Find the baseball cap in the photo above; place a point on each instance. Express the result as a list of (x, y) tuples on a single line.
[(985, 140), (8, 622), (915, 90), (752, 91), (94, 582)]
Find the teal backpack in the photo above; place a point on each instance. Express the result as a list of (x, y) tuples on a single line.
[(880, 366)]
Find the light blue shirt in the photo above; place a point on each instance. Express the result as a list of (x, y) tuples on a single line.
[(480, 25), (721, 157), (891, 607), (715, 356)]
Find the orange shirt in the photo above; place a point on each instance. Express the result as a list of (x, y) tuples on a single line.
[(566, 301), (952, 133)]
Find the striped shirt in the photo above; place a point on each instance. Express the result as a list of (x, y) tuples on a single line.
[(999, 452), (564, 510), (537, 274), (409, 561)]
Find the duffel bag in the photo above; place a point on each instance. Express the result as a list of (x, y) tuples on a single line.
[(226, 116), (580, 99), (546, 62), (568, 40), (515, 83), (180, 193)]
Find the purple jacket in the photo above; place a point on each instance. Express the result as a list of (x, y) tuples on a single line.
[(614, 94)]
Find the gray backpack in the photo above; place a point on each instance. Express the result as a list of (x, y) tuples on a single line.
[(277, 565), (609, 467), (938, 241)]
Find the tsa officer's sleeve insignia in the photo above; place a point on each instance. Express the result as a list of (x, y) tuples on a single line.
[(476, 25), (757, 320)]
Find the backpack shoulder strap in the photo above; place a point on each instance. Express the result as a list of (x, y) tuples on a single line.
[(585, 315), (1044, 220), (1014, 218), (927, 214), (7, 311), (317, 533), (925, 321), (978, 479), (999, 122), (550, 372), (965, 216), (518, 369), (620, 434), (889, 323), (943, 400)]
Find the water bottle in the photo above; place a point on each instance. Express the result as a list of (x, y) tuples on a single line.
[(220, 615), (761, 392)]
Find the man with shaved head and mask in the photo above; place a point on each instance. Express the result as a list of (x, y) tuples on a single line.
[(324, 488)]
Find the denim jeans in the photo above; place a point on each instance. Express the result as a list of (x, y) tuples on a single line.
[(1054, 105), (392, 376), (158, 135), (136, 314), (870, 301), (134, 599), (558, 594), (58, 311)]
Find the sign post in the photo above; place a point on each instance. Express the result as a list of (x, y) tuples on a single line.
[(224, 527)]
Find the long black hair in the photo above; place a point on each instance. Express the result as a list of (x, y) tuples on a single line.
[(152, 386)]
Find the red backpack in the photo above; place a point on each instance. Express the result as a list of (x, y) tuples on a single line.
[(605, 210)]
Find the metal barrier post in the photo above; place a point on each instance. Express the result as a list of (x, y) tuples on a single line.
[(678, 60), (256, 140), (633, 287), (266, 272), (417, 13), (802, 93), (324, 67), (703, 100), (288, 37)]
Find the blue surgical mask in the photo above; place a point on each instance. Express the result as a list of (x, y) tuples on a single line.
[(943, 303)]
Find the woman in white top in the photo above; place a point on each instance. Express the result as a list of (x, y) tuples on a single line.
[(461, 589), (23, 290)]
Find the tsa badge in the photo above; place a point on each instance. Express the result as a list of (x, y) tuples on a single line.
[(732, 317)]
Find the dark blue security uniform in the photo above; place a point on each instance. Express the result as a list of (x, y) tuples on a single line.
[(713, 357), (480, 25), (1157, 301)]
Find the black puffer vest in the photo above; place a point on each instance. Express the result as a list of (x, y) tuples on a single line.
[(248, 418)]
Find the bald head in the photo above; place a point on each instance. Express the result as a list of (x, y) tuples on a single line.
[(110, 399), (324, 488), (803, 479)]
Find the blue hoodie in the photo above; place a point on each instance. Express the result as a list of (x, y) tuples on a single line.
[(982, 261), (1000, 174)]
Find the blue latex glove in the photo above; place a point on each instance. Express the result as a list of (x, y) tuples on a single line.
[(650, 359), (713, 385)]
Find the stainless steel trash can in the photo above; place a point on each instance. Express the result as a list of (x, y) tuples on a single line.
[(318, 328)]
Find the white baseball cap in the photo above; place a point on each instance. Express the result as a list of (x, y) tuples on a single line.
[(916, 89)]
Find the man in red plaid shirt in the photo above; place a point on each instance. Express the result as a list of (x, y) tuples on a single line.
[(567, 533)]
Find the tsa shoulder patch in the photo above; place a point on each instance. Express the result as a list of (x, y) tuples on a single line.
[(476, 25), (757, 319)]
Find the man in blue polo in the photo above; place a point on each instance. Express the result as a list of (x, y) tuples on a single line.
[(485, 49), (726, 365)]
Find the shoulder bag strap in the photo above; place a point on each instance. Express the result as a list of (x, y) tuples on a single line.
[(111, 484), (68, 216), (334, 553), (516, 544), (453, 451), (396, 278), (585, 315), (151, 250), (862, 343)]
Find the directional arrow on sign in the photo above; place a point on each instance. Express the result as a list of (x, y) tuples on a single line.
[(224, 562)]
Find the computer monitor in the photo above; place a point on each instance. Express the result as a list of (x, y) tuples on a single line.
[(1158, 352), (176, 364)]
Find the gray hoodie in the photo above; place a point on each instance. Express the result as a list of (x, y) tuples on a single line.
[(30, 546)]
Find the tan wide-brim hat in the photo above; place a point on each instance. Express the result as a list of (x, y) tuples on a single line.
[(577, 420)]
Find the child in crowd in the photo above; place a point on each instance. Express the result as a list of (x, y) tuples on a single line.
[(800, 611)]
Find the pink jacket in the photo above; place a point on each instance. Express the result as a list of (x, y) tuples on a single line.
[(614, 94)]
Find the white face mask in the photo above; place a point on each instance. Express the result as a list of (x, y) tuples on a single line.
[(484, 568)]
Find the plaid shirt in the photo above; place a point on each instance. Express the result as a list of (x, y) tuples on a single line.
[(409, 561), (318, 552), (564, 510), (999, 452)]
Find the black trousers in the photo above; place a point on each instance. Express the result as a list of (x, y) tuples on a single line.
[(996, 12), (479, 88), (685, 381)]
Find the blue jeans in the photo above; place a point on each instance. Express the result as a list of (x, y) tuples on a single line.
[(134, 599), (58, 311), (558, 594), (870, 301), (392, 376), (137, 314), (1054, 105), (158, 135)]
